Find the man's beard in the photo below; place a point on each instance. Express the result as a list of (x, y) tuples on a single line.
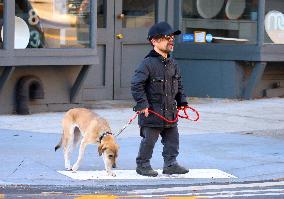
[(168, 49)]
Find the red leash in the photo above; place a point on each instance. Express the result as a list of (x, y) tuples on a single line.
[(184, 116)]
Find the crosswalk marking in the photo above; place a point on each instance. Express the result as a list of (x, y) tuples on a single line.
[(207, 187), (226, 193), (183, 197), (135, 197), (97, 197), (208, 195), (132, 175), (245, 195)]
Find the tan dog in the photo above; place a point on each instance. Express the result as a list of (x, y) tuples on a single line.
[(79, 122)]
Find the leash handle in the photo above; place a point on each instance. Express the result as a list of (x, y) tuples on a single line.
[(186, 116)]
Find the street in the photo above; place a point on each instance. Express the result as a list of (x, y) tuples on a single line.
[(251, 190), (235, 150)]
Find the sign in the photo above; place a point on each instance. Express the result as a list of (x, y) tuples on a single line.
[(199, 36), (199, 39), (209, 38), (274, 26), (187, 37), (22, 34)]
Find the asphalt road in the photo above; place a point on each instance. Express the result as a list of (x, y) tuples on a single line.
[(242, 138), (251, 190)]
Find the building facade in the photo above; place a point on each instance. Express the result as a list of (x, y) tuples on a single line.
[(55, 55), (244, 55)]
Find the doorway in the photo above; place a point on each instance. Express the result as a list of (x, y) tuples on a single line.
[(121, 45)]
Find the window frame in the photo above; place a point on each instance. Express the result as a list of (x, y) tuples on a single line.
[(243, 52), (45, 56)]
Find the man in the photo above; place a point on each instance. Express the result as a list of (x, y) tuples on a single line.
[(156, 85)]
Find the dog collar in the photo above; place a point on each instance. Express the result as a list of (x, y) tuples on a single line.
[(103, 135)]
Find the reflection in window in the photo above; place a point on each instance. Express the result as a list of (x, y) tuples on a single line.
[(101, 16), (223, 21), (1, 22), (274, 22), (138, 13), (55, 24)]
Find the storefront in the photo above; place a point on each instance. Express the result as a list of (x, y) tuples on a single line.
[(59, 54), (68, 53), (47, 47), (237, 51)]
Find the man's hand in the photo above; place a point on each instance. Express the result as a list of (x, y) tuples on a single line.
[(181, 108), (145, 111)]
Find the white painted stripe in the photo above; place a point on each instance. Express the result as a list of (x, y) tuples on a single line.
[(205, 187), (245, 195), (243, 191), (132, 175), (240, 191), (208, 194), (251, 192)]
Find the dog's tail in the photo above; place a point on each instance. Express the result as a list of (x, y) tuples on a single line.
[(58, 145)]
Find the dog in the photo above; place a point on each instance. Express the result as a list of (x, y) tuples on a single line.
[(81, 122)]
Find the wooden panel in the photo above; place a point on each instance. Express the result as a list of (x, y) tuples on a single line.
[(99, 84), (96, 76), (132, 55)]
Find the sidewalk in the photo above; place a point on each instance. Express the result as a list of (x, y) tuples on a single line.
[(242, 138)]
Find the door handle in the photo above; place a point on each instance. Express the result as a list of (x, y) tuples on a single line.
[(119, 36), (121, 16)]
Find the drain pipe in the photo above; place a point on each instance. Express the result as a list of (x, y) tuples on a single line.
[(27, 88)]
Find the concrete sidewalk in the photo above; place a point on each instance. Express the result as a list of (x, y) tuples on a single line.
[(242, 138)]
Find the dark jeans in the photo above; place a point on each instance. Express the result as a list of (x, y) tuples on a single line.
[(170, 140)]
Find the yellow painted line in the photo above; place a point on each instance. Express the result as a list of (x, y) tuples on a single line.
[(2, 196)]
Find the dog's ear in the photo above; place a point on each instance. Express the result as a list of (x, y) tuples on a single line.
[(116, 150), (101, 149)]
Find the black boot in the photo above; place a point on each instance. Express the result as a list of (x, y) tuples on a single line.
[(175, 169), (146, 171)]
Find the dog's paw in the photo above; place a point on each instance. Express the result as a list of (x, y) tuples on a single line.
[(75, 167), (68, 167), (111, 174)]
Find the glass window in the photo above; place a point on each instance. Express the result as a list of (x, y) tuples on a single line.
[(220, 21), (52, 24), (138, 13), (1, 22), (274, 22), (101, 14)]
